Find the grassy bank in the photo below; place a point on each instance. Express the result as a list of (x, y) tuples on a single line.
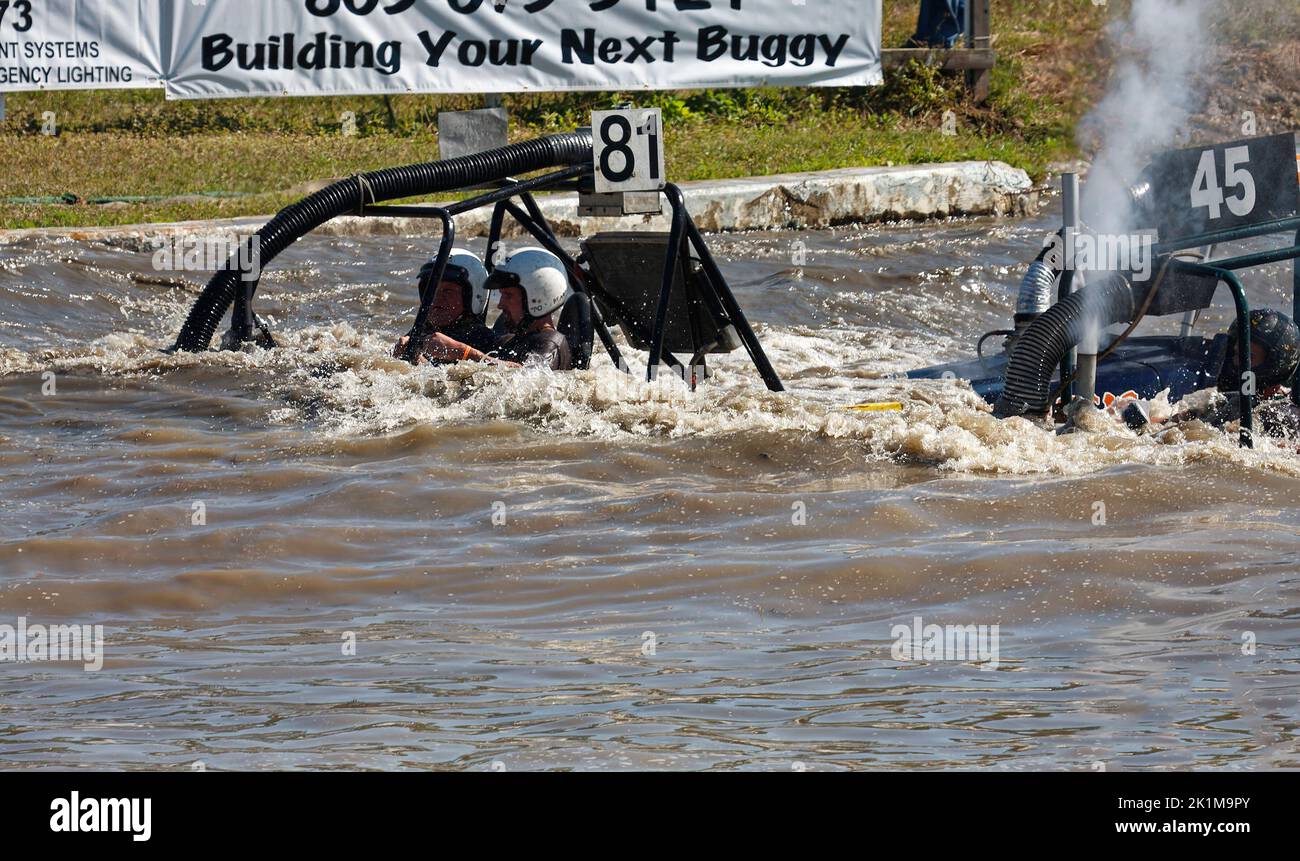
[(166, 161)]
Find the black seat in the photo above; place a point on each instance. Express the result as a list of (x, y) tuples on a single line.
[(628, 275), (575, 325)]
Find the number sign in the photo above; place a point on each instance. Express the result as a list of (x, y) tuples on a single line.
[(1208, 188), (628, 149)]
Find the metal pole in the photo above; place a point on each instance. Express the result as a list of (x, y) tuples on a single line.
[(1190, 317), (1232, 234), (1243, 356), (1085, 384), (978, 80), (732, 307), (1230, 278), (2, 107), (494, 234), (676, 235), (1070, 223), (1070, 199), (412, 351)]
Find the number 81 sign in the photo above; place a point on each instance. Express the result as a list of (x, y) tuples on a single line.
[(627, 150)]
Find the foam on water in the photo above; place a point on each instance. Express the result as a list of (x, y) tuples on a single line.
[(340, 380)]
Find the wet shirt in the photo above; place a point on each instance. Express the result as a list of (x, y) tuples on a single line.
[(1280, 418), (1276, 416), (470, 332), (545, 347)]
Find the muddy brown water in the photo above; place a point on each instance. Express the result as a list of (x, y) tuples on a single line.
[(580, 571)]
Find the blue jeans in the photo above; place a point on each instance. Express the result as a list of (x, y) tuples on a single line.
[(940, 23)]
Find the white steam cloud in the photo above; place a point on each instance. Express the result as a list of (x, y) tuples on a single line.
[(1162, 48)]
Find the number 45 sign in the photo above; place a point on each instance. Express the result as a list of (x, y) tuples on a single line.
[(627, 148), (1234, 184)]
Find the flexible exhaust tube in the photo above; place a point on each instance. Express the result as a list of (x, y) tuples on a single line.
[(351, 194), (1040, 348)]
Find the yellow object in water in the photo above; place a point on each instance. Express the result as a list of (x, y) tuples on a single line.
[(890, 406)]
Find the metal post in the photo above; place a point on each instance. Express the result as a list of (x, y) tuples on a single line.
[(412, 351), (1190, 317), (1070, 199), (244, 324), (1243, 355), (675, 236), (979, 80), (1085, 384), (241, 316), (494, 234), (2, 107), (530, 203), (1069, 223), (732, 307)]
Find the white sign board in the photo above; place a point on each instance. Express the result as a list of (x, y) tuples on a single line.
[(213, 48), (628, 149), (300, 47), (79, 44)]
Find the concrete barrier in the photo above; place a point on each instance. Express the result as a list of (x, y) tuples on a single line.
[(785, 201)]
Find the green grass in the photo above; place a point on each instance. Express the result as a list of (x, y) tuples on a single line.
[(135, 144)]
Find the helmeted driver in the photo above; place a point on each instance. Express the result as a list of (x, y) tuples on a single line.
[(459, 308), (1275, 355), (533, 285)]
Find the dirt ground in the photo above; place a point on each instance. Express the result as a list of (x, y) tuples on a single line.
[(1261, 78)]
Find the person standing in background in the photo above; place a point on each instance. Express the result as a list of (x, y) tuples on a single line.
[(939, 25)]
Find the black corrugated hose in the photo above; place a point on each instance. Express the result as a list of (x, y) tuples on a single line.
[(348, 195), (1039, 349)]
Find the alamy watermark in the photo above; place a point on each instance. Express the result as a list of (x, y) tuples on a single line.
[(922, 642), (133, 816), (24, 643), (209, 253), (668, 381), (1101, 252)]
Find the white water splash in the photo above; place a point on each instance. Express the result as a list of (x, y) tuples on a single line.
[(363, 393)]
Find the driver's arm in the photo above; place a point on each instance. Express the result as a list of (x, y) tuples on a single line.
[(440, 346)]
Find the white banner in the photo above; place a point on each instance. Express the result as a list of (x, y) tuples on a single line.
[(303, 47), (79, 44)]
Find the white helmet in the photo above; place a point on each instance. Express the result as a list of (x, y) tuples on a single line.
[(464, 268), (541, 276)]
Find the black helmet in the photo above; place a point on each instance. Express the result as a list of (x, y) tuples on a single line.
[(1279, 337)]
